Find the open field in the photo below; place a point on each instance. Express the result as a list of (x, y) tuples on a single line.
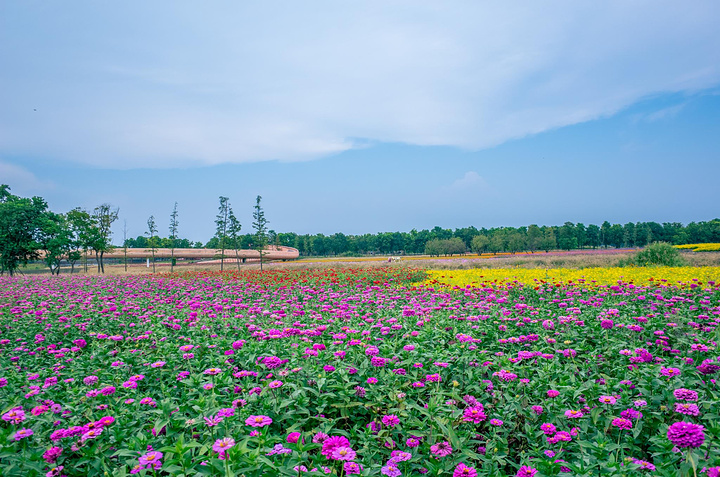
[(570, 260), (355, 371)]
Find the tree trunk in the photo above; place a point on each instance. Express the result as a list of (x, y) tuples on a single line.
[(97, 259), (102, 263), (237, 258), (172, 260)]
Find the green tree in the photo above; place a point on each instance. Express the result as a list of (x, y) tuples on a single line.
[(55, 239), (221, 225), (152, 232), (534, 237), (480, 244), (234, 228), (20, 220), (80, 222), (260, 226), (100, 232), (548, 242), (174, 224)]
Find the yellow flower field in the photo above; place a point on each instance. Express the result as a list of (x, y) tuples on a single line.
[(592, 276), (700, 247)]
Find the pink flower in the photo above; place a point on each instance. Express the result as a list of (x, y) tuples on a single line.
[(474, 414), (221, 445), (622, 423), (391, 420), (686, 434), (51, 455), (258, 421), (332, 443), (343, 453), (22, 434), (293, 437), (463, 470), (441, 449), (526, 471), (151, 460)]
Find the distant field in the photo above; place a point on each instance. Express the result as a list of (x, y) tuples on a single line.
[(700, 247)]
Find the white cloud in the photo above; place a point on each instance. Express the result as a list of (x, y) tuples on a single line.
[(154, 86), (470, 181), (20, 180)]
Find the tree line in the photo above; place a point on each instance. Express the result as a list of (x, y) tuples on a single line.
[(532, 238), (30, 231)]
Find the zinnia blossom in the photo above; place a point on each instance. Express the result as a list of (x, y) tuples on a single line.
[(686, 434), (258, 421)]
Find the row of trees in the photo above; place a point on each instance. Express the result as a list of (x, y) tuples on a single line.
[(30, 231), (569, 236), (439, 241)]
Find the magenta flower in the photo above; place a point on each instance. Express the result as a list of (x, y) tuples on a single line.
[(258, 421), (22, 434), (570, 414), (221, 445), (343, 453), (441, 449), (463, 470), (293, 437), (333, 442), (474, 414), (390, 420), (526, 471), (151, 460), (352, 468), (686, 434), (622, 423)]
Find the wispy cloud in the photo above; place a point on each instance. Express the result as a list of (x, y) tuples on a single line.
[(22, 181), (256, 81), (470, 181)]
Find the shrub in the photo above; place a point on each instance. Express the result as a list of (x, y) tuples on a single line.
[(656, 254)]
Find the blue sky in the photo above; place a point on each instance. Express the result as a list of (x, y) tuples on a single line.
[(364, 116)]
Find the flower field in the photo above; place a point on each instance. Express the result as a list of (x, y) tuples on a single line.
[(672, 276), (700, 247), (361, 372)]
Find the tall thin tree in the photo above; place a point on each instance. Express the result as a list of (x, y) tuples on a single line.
[(260, 226), (174, 223), (125, 242), (152, 238), (221, 224), (234, 228)]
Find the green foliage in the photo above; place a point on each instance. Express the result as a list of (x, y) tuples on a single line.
[(450, 247), (261, 231), (657, 254), (20, 222)]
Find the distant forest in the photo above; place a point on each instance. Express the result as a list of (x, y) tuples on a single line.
[(439, 241)]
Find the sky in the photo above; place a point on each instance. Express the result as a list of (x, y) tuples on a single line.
[(362, 117)]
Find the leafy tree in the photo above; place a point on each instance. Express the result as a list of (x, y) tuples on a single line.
[(125, 243), (480, 244), (234, 228), (221, 225), (534, 237), (260, 226), (100, 232), (20, 220), (55, 239), (174, 224), (80, 223), (152, 238), (548, 242)]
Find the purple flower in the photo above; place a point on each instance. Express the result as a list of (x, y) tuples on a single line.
[(686, 434)]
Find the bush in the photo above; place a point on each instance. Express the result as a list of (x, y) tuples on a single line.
[(657, 254)]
